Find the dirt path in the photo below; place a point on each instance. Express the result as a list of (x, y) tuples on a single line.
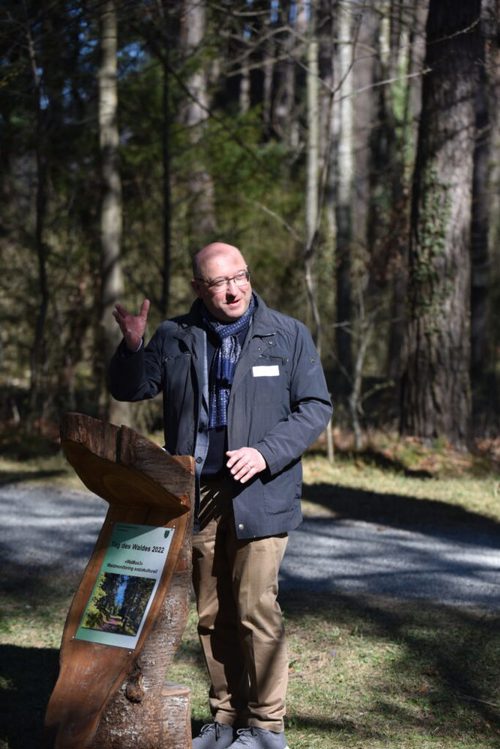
[(45, 529)]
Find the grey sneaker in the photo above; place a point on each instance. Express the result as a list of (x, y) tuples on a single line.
[(259, 738), (214, 736)]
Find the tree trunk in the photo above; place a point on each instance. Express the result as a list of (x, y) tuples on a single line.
[(480, 261), (327, 116), (111, 206), (201, 188), (38, 351), (245, 87), (436, 385), (312, 190), (167, 199), (268, 87), (114, 696), (483, 189), (148, 712), (345, 178), (410, 58), (284, 120), (493, 69)]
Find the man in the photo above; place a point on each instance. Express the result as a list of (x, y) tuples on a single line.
[(245, 394)]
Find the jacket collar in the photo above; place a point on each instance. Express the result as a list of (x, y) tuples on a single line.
[(262, 325)]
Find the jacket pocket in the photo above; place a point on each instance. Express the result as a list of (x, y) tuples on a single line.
[(282, 493)]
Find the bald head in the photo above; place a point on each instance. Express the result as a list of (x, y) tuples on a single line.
[(229, 300), (216, 251)]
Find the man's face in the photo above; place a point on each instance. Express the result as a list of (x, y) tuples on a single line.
[(230, 301)]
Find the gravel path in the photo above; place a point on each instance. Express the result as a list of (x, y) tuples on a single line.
[(454, 567), (45, 528)]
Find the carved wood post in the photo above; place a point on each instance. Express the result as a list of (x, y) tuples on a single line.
[(110, 696)]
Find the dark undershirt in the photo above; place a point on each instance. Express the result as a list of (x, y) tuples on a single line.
[(215, 463)]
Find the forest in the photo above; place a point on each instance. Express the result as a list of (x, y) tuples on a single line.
[(349, 148)]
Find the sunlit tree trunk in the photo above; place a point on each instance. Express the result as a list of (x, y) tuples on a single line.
[(166, 273), (111, 204), (344, 197), (201, 188), (245, 87), (436, 385), (167, 200), (312, 189), (283, 120)]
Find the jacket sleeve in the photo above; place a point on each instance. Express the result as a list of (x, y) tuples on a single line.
[(136, 376), (310, 408)]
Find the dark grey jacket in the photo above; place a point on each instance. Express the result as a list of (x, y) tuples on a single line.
[(279, 404)]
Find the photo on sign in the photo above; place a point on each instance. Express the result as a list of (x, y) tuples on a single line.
[(118, 603)]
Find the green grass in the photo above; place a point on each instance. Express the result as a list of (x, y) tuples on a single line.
[(364, 672), (368, 673), (367, 492)]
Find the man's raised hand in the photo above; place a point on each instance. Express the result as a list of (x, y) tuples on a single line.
[(132, 327)]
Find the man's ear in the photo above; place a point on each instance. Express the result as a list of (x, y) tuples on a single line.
[(195, 285)]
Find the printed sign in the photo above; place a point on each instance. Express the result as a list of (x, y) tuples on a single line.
[(126, 585)]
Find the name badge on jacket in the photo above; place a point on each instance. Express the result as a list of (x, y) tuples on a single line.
[(270, 370)]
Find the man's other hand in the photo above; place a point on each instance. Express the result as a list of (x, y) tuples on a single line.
[(245, 463)]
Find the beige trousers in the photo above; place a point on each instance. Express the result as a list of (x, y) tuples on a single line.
[(240, 623)]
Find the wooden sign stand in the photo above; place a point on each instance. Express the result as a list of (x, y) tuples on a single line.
[(108, 696)]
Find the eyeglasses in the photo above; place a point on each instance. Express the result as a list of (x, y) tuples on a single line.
[(219, 284)]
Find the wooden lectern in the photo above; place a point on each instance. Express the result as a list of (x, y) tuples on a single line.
[(130, 610)]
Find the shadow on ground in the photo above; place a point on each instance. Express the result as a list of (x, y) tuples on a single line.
[(28, 676), (17, 477), (395, 510)]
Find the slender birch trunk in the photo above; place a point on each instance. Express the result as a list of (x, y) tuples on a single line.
[(201, 187), (312, 190), (345, 178), (111, 202)]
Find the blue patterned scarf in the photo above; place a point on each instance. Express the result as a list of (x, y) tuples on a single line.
[(225, 361)]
